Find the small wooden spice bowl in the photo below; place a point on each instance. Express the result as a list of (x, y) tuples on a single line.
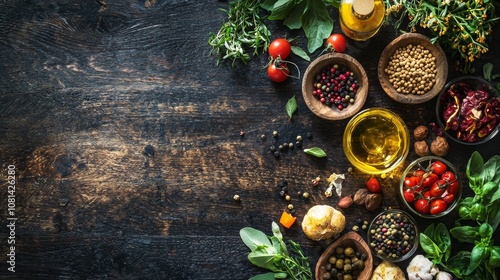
[(440, 75), (327, 112), (350, 239)]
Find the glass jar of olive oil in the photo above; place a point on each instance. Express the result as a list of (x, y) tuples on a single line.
[(376, 141), (361, 19)]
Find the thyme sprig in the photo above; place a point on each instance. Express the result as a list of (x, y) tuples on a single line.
[(462, 26), (244, 33)]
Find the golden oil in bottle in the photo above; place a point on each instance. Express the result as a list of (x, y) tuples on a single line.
[(376, 141), (361, 19)]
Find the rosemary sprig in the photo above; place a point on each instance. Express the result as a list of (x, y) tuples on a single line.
[(462, 26), (244, 33)]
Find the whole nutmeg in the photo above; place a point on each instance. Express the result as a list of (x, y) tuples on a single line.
[(420, 133), (360, 196), (373, 201), (421, 148), (439, 146)]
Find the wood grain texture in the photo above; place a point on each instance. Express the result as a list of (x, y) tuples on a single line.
[(126, 140)]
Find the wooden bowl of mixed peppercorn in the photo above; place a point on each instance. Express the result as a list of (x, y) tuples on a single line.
[(335, 86), (412, 70), (348, 257)]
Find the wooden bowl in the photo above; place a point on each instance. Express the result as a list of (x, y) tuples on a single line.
[(350, 239), (327, 112), (441, 67)]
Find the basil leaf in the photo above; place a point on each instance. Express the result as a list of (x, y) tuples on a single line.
[(494, 260), (315, 151), (264, 276), (300, 53), (429, 247), (494, 214), (334, 3), (487, 69), (254, 238), (442, 237), (429, 231), (317, 24), (291, 106), (281, 9), (491, 171), (268, 5), (477, 256), (293, 19), (475, 167), (465, 234)]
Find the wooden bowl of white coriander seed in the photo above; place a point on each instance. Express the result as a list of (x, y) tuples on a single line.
[(412, 70)]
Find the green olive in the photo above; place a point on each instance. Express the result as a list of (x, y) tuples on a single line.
[(347, 268), (359, 265), (339, 264), (327, 276), (339, 251), (332, 259), (349, 252), (347, 261), (347, 277)]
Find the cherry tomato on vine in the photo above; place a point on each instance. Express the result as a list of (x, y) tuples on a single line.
[(418, 173), (280, 48), (278, 73), (372, 185), (337, 42), (410, 181), (438, 188), (453, 187), (423, 206), (449, 198), (429, 180), (409, 195), (438, 167), (437, 206), (448, 176)]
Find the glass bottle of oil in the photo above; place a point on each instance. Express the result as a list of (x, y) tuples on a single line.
[(361, 19)]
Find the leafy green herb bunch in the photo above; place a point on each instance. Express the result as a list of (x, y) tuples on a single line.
[(464, 26)]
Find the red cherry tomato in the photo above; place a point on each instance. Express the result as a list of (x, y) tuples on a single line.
[(438, 206), (278, 74), (453, 187), (438, 188), (418, 173), (449, 198), (337, 42), (429, 180), (409, 195), (280, 48), (448, 176), (372, 185), (438, 167), (427, 194), (423, 206), (410, 182)]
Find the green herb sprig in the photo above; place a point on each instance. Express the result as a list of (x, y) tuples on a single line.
[(291, 107), (464, 27), (315, 151), (244, 32), (483, 211), (271, 252)]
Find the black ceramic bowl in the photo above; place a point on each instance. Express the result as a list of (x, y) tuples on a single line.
[(444, 101)]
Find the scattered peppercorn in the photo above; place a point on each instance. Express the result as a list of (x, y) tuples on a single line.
[(355, 228), (236, 197), (290, 145), (263, 137), (242, 133), (287, 198), (299, 138), (275, 133), (290, 206), (305, 195)]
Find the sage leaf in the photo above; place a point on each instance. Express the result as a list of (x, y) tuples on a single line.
[(300, 53), (315, 151), (291, 106), (264, 276), (254, 238), (487, 69), (264, 260), (281, 9), (293, 20)]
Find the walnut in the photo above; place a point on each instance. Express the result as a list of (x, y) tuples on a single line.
[(373, 201), (439, 146), (420, 133), (421, 148), (360, 196)]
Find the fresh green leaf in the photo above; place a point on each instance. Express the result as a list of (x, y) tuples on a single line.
[(264, 276), (494, 259), (494, 214), (430, 248), (277, 234), (475, 167), (300, 53), (317, 24), (264, 260), (291, 106), (442, 238), (487, 70), (315, 151), (477, 256), (465, 234), (491, 171), (254, 238), (429, 231), (496, 76), (293, 19), (334, 3), (281, 9)]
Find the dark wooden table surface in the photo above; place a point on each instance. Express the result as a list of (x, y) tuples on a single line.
[(125, 140)]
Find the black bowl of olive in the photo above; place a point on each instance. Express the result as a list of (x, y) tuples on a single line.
[(468, 110), (348, 257)]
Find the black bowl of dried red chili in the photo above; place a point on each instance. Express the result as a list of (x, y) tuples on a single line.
[(468, 110)]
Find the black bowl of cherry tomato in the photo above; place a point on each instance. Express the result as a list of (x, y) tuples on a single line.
[(430, 187)]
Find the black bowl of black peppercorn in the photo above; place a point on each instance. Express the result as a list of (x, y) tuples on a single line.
[(393, 235)]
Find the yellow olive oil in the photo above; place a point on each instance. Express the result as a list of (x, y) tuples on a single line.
[(376, 141), (361, 19)]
